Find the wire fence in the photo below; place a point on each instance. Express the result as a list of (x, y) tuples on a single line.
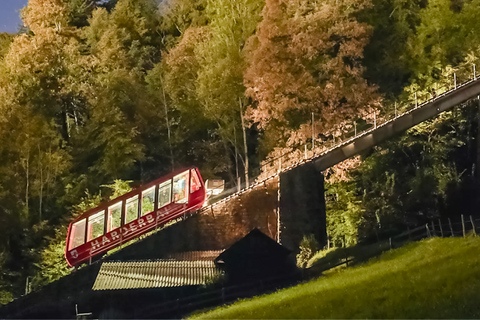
[(344, 257)]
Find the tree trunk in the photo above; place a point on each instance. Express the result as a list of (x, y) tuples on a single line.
[(244, 144), (169, 134), (236, 159)]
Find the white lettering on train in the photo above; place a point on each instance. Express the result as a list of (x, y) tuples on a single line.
[(105, 240), (133, 226), (115, 235), (74, 254), (95, 244), (150, 219)]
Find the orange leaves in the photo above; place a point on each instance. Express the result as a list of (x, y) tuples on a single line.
[(305, 57)]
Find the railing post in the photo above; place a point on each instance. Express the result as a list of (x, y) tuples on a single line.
[(455, 80), (416, 102), (279, 165), (395, 109), (463, 226), (474, 73), (355, 126), (375, 119), (306, 151)]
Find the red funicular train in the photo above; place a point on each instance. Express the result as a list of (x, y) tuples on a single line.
[(133, 214)]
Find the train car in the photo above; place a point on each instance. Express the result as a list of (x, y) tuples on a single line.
[(133, 214)]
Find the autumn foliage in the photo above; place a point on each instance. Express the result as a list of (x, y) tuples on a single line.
[(93, 91)]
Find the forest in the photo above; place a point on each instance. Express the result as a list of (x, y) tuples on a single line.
[(100, 96)]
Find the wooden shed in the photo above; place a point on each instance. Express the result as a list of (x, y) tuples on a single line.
[(255, 257)]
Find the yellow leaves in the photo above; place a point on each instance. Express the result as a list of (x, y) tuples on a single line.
[(40, 14)]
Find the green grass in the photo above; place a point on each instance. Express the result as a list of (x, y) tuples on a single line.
[(434, 278)]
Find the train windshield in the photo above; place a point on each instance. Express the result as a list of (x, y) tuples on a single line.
[(180, 187)]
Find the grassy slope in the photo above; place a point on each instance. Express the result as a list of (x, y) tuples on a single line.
[(434, 278)]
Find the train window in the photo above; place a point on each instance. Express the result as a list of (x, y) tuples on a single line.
[(194, 181), (131, 211), (164, 193), (96, 224), (148, 199), (180, 187), (77, 236), (114, 216)]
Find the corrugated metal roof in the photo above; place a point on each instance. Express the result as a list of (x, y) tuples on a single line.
[(156, 274)]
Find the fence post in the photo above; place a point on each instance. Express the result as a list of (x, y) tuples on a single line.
[(473, 226), (375, 119), (280, 165), (474, 73), (306, 151), (355, 126), (441, 230), (463, 226), (451, 229), (455, 79), (434, 233), (428, 231), (416, 102), (395, 109)]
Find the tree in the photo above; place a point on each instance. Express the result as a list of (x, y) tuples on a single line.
[(394, 23), (306, 57), (178, 16), (177, 77), (220, 79)]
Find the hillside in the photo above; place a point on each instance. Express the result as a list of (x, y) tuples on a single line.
[(434, 278)]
